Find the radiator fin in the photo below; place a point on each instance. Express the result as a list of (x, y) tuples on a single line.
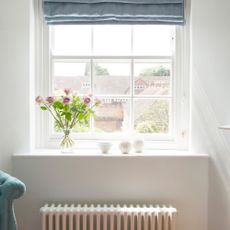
[(71, 217)]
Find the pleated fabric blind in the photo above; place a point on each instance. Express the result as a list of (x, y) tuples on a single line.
[(114, 11)]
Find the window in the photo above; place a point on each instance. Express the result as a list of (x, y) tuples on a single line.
[(134, 70)]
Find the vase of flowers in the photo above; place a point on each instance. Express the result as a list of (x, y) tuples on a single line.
[(68, 110)]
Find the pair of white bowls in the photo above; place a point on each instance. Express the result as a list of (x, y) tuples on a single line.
[(126, 146)]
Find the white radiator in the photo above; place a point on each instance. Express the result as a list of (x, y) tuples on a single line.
[(65, 217)]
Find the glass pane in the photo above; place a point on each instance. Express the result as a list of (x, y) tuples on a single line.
[(112, 78), (152, 40), (71, 40), (112, 40), (71, 75), (113, 115), (152, 78), (81, 128), (151, 116), (78, 128)]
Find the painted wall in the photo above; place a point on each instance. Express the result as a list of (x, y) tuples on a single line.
[(211, 81), (14, 79), (181, 181)]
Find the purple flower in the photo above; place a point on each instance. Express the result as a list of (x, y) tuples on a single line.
[(86, 99), (39, 99), (66, 100), (67, 91), (50, 99)]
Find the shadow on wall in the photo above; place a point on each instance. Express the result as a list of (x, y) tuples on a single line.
[(215, 143), (219, 199)]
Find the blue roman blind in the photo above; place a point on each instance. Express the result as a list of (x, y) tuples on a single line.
[(114, 11)]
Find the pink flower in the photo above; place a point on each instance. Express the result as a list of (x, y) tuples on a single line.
[(67, 91), (50, 99), (66, 100), (86, 99), (39, 99)]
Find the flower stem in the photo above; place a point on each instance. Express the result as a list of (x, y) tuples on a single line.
[(56, 119), (66, 143)]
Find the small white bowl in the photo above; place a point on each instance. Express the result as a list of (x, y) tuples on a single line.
[(125, 147), (104, 146), (138, 145)]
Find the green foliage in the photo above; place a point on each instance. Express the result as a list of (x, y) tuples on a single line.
[(156, 71), (69, 111), (58, 105), (147, 127), (81, 128), (98, 70), (43, 108), (154, 118), (68, 116), (66, 107)]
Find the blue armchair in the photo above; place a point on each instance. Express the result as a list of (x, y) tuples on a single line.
[(10, 188)]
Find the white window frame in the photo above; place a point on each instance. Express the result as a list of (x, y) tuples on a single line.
[(180, 119)]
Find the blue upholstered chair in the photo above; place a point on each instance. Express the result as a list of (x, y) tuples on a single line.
[(10, 188)]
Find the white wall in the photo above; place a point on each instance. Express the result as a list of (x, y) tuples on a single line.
[(181, 181), (211, 81), (14, 79)]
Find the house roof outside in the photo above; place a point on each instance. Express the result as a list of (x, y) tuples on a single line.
[(116, 110), (115, 85)]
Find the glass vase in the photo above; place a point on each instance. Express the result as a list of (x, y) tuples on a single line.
[(67, 142)]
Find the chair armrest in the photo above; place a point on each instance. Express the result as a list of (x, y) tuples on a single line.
[(11, 187)]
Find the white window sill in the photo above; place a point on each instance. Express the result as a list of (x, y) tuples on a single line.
[(93, 144), (114, 153)]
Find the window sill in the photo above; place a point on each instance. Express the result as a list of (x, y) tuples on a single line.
[(225, 127), (93, 144), (115, 153)]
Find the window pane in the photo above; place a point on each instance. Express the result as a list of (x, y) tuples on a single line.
[(71, 40), (72, 75), (112, 40), (152, 40), (126, 86), (78, 128), (151, 116), (81, 128), (152, 78), (112, 78), (113, 115)]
